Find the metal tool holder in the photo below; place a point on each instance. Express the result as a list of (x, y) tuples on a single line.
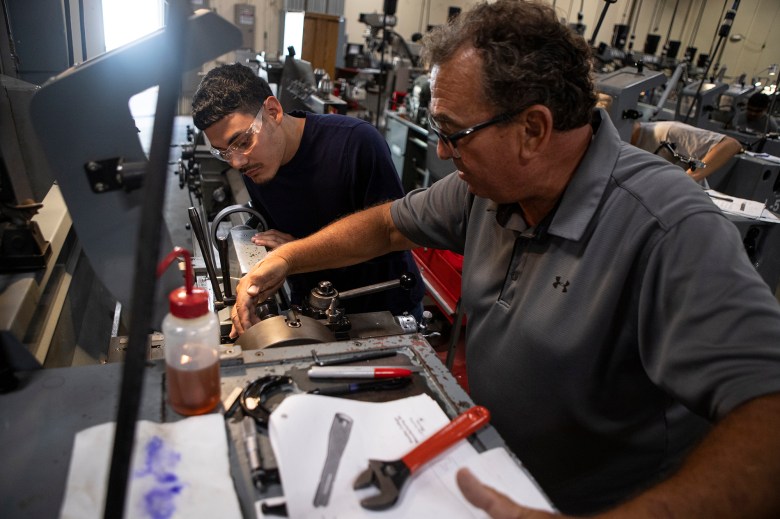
[(433, 379)]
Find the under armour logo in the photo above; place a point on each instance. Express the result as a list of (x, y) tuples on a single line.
[(559, 283)]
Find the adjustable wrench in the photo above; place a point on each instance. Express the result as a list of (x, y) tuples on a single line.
[(390, 476)]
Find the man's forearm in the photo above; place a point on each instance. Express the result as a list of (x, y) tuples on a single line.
[(718, 156), (734, 472), (354, 239)]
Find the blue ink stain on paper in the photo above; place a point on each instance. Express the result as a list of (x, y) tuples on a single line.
[(159, 464), (159, 502)]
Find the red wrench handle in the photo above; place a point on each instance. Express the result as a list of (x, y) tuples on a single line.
[(462, 426)]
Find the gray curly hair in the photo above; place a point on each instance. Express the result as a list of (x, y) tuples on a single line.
[(528, 57)]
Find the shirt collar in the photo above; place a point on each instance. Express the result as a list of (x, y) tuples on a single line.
[(582, 196), (510, 217)]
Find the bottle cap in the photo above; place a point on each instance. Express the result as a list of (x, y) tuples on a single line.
[(186, 302), (188, 305)]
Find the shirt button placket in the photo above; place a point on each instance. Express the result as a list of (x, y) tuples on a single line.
[(514, 271)]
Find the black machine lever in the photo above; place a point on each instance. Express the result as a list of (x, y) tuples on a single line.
[(205, 249), (406, 281), (324, 299), (224, 263)]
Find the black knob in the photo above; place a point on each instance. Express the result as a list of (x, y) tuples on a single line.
[(407, 281)]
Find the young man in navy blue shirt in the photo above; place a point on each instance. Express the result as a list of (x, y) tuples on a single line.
[(302, 172)]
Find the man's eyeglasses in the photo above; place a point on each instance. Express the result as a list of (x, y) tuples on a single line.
[(452, 139), (244, 143)]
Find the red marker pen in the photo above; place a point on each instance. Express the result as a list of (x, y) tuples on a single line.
[(359, 372)]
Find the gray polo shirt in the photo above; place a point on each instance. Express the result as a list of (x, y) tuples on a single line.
[(605, 340)]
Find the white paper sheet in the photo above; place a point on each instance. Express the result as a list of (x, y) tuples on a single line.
[(765, 156), (742, 207), (178, 470), (299, 430)]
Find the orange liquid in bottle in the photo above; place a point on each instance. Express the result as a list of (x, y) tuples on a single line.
[(193, 391)]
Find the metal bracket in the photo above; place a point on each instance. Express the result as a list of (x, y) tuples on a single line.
[(631, 114), (114, 174)]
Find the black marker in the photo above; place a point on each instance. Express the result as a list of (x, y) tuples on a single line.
[(345, 358), (354, 387)]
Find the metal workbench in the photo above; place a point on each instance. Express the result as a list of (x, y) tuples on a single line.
[(42, 417)]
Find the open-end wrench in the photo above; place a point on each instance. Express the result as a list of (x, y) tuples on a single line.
[(337, 442), (389, 476)]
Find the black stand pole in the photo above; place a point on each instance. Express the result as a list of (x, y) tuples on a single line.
[(761, 142), (723, 33), (146, 260), (601, 20), (701, 82), (382, 74)]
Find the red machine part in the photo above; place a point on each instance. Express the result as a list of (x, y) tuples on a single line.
[(441, 271)]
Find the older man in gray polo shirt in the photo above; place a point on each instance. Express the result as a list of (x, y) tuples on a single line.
[(626, 348)]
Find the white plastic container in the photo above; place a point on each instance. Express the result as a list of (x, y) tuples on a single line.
[(191, 346)]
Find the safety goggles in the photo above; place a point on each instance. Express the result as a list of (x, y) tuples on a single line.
[(244, 143)]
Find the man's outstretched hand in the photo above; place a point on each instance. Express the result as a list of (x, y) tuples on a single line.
[(494, 503), (265, 278)]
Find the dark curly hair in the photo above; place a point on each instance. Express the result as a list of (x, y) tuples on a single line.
[(759, 101), (528, 57), (225, 90)]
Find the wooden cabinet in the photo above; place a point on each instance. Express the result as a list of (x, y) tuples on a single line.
[(321, 41)]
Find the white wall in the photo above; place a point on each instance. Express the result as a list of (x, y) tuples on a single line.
[(266, 22), (755, 20), (413, 15)]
